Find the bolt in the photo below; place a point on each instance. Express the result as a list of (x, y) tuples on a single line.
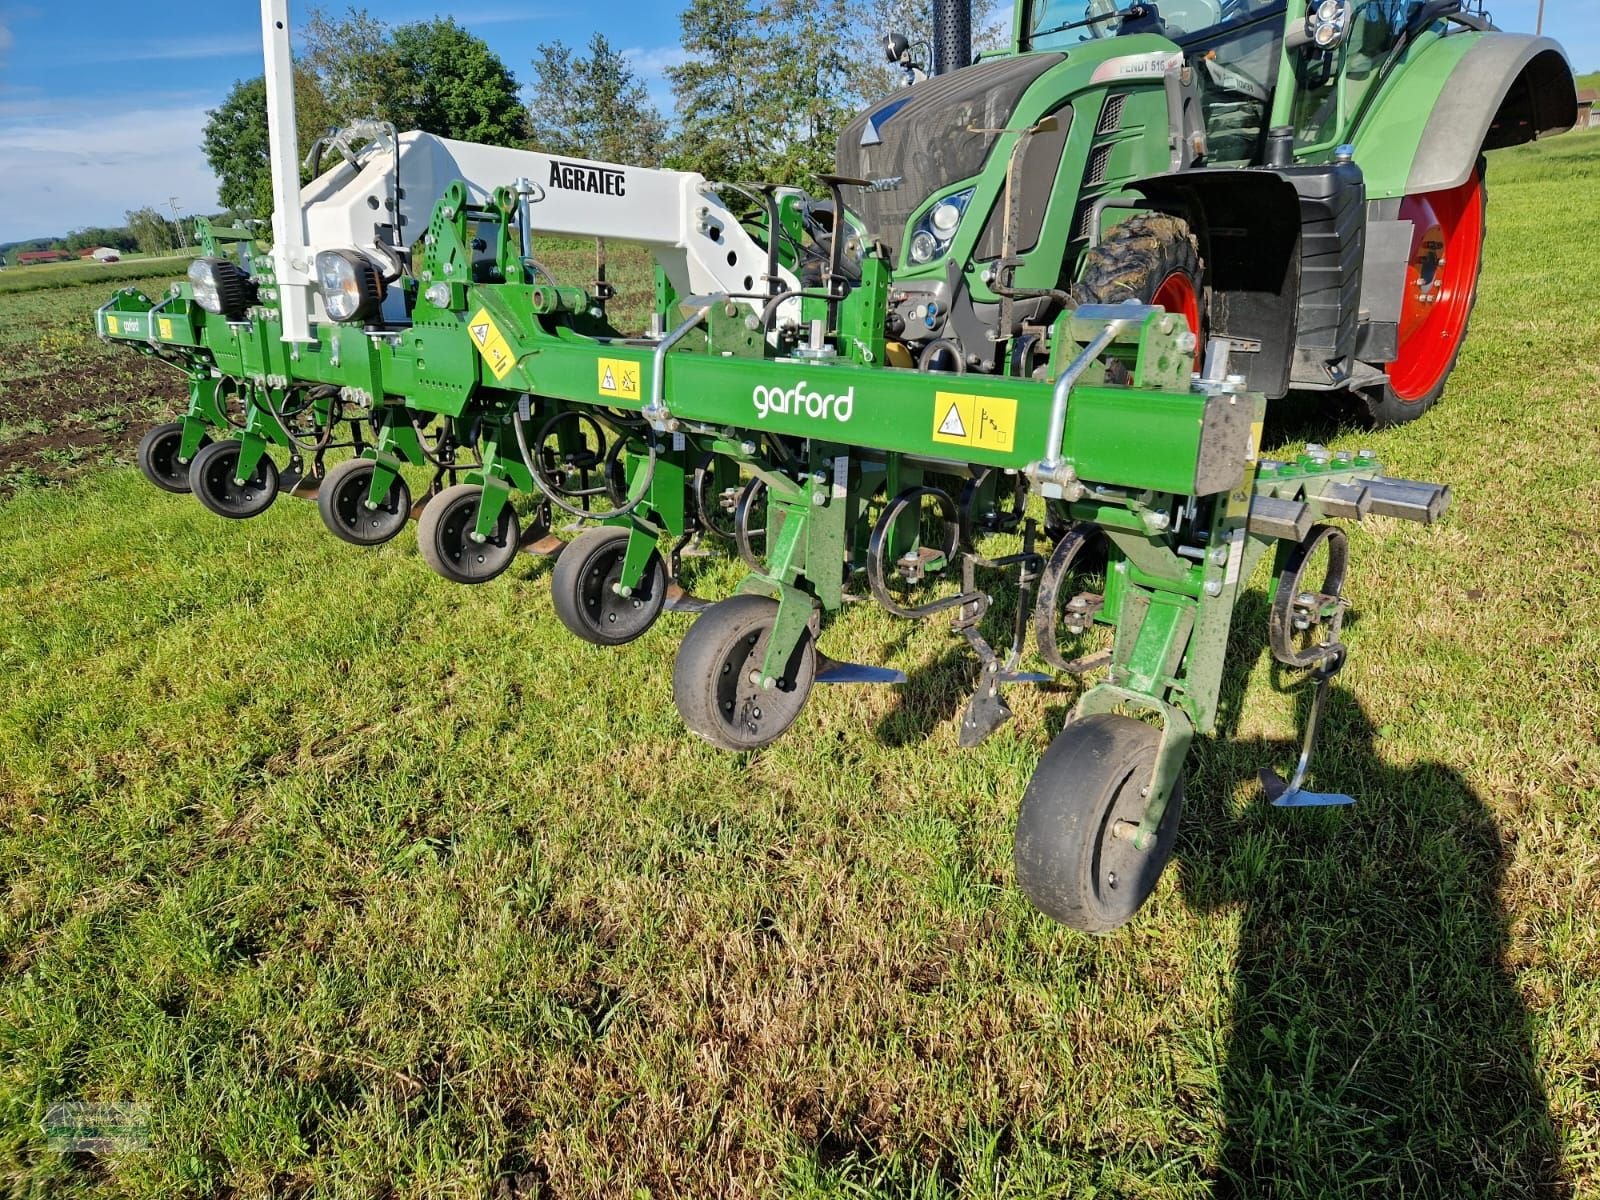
[(478, 537), (747, 448), (1220, 554), (1213, 587)]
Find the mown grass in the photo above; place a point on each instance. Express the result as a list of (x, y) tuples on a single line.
[(370, 885)]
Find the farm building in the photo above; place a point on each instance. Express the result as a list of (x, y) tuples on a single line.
[(1588, 114), (29, 257)]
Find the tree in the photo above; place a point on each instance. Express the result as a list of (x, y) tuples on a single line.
[(594, 107), (154, 233), (872, 76), (765, 89), (450, 83), (428, 75), (94, 237), (235, 140)]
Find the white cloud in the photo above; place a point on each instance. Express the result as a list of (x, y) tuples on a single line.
[(70, 167), (5, 39), (167, 49)]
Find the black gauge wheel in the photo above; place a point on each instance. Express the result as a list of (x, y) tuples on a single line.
[(583, 588), (345, 504), (444, 536), (214, 483), (716, 679)]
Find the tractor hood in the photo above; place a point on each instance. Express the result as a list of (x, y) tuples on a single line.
[(926, 137)]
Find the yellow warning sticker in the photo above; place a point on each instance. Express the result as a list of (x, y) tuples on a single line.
[(491, 343), (166, 327), (987, 422), (111, 325), (617, 379)]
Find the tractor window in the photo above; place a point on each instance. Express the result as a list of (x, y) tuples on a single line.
[(1236, 64), (1054, 23)]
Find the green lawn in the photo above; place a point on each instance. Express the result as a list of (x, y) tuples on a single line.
[(371, 885)]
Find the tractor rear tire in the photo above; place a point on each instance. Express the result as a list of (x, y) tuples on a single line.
[(1441, 287), (1151, 259)]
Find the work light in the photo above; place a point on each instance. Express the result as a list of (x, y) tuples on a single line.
[(221, 287), (351, 287)]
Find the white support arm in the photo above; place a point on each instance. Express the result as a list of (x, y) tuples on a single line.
[(291, 259)]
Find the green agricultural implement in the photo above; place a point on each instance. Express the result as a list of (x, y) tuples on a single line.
[(1040, 462)]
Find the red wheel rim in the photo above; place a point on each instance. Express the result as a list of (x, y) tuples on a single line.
[(1441, 277), (1177, 294)]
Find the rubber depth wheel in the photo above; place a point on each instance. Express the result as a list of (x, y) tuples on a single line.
[(342, 501), (711, 679), (212, 479), (1069, 861), (583, 588), (1153, 259), (444, 536), (1435, 308), (158, 457)]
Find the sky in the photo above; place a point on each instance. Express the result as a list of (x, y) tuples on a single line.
[(99, 113)]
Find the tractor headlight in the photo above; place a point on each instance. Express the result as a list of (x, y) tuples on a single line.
[(932, 235), (924, 247), (221, 287), (352, 289)]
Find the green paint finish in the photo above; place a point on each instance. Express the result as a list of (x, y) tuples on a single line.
[(1390, 133)]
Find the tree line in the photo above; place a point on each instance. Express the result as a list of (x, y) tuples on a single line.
[(146, 229), (762, 92)]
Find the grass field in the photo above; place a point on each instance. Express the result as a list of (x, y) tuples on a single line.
[(370, 885)]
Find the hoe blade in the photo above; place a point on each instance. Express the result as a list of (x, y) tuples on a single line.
[(830, 670), (1283, 796)]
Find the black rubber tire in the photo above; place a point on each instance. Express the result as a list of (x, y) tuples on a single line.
[(158, 457), (211, 475), (581, 588), (711, 676), (1068, 862), (1135, 257), (443, 537), (342, 501), (1383, 405)]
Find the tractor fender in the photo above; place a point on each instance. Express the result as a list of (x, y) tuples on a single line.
[(1248, 225), (1481, 90)]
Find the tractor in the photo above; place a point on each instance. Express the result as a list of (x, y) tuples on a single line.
[(1302, 179)]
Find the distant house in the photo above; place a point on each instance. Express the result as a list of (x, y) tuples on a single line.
[(29, 257), (1588, 109)]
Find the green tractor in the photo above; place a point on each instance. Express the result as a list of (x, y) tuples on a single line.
[(1302, 179)]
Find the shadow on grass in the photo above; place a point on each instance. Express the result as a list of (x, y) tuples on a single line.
[(1378, 1045)]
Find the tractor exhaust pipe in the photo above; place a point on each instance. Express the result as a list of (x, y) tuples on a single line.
[(952, 35)]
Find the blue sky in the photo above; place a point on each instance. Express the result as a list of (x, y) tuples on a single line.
[(99, 113)]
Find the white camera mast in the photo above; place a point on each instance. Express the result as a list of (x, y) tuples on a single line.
[(677, 215)]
